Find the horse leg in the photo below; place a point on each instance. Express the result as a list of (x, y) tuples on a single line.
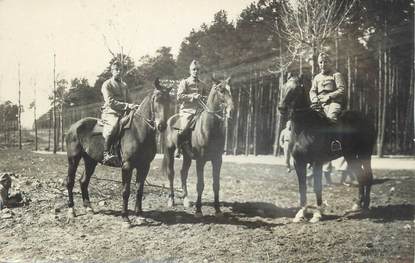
[(216, 166), (73, 163), (200, 165), (318, 188), (367, 181), (187, 161), (356, 167), (126, 182), (142, 173), (90, 165), (300, 168), (168, 166)]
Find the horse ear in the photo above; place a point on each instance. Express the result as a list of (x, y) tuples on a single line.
[(157, 84), (228, 79), (215, 80)]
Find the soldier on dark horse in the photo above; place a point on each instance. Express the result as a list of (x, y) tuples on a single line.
[(318, 138)]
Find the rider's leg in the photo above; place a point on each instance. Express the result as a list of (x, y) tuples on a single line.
[(185, 135), (109, 131)]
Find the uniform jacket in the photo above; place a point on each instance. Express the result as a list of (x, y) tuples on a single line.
[(331, 84), (116, 97), (186, 91), (285, 136)]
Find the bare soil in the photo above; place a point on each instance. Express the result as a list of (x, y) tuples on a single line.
[(258, 201)]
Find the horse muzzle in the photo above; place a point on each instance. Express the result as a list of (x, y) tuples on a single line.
[(282, 108), (162, 126)]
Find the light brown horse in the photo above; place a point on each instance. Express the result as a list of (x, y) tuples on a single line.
[(137, 148), (208, 141)]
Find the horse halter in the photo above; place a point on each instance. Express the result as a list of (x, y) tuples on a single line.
[(208, 110), (149, 122)]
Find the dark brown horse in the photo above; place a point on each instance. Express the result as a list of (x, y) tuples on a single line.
[(312, 136), (137, 148), (208, 141)]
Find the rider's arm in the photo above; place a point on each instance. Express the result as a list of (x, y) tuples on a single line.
[(313, 91), (183, 94), (339, 86), (282, 135), (110, 99)]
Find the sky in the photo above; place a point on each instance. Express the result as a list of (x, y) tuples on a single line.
[(80, 32)]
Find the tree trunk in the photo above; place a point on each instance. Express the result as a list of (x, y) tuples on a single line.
[(255, 112), (349, 83), (50, 128), (36, 143), (380, 126), (249, 117), (62, 129), (238, 113)]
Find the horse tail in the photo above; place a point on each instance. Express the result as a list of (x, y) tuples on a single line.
[(76, 134)]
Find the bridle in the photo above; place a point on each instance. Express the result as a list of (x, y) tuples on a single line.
[(150, 122), (217, 113), (214, 113)]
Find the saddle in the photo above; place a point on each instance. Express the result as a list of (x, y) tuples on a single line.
[(335, 140), (176, 121), (123, 124)]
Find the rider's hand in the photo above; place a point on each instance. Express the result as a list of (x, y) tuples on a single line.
[(133, 106), (324, 98), (315, 106), (196, 96)]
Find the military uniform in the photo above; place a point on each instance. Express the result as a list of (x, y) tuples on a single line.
[(332, 85), (187, 94), (117, 100), (285, 138)]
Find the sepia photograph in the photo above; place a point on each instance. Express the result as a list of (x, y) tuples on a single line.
[(207, 131)]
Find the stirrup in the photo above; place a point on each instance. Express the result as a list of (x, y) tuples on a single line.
[(336, 146), (111, 160)]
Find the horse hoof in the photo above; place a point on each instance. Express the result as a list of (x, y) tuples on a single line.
[(186, 202), (71, 213), (89, 210), (219, 214), (300, 216), (356, 208), (316, 217), (198, 214), (140, 220), (170, 202)]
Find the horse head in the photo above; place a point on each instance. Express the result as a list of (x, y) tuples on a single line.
[(220, 96), (160, 101), (293, 95)]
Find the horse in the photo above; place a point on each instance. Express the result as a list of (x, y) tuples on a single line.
[(137, 148), (208, 142), (312, 137)]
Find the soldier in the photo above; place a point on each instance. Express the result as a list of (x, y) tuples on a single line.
[(327, 90), (189, 92), (117, 103), (326, 95), (285, 139)]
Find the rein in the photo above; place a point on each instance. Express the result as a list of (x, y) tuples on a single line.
[(206, 108), (149, 122)]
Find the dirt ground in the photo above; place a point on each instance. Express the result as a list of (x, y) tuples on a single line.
[(258, 201)]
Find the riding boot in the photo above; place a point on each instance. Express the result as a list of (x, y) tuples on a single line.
[(109, 158), (183, 141)]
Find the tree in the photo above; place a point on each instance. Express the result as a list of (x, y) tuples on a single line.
[(81, 93), (162, 65), (309, 25)]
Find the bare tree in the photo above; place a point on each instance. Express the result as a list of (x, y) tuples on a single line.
[(308, 25)]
